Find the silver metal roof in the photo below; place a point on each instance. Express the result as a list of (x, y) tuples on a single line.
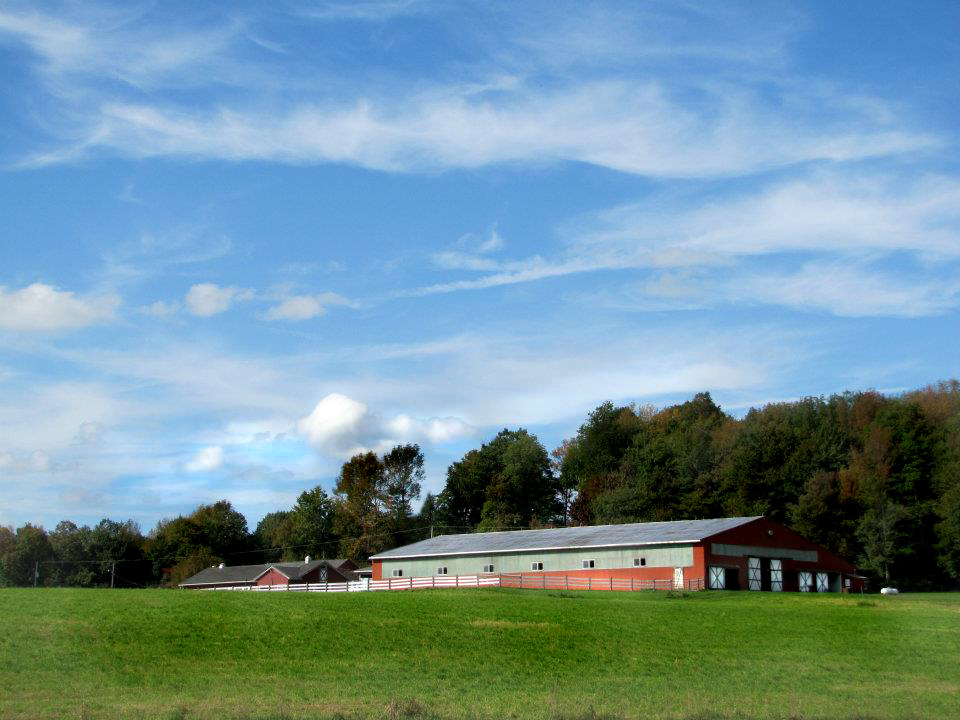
[(591, 536)]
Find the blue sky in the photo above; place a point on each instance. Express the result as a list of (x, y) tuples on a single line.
[(242, 241)]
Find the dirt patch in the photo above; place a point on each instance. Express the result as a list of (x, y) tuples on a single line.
[(502, 624)]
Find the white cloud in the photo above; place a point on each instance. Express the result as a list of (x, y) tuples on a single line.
[(160, 309), (436, 430), (210, 458), (633, 127), (207, 299), (40, 307), (520, 102), (831, 229), (36, 461), (337, 424), (304, 307), (341, 426)]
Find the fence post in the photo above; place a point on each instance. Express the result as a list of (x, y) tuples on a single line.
[(566, 582), (589, 583)]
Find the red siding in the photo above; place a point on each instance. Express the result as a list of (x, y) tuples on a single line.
[(273, 577), (766, 533)]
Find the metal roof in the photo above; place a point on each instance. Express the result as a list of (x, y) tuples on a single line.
[(590, 536)]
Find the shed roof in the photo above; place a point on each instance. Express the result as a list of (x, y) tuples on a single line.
[(626, 535)]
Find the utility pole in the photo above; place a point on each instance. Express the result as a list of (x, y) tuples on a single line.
[(36, 572), (113, 567), (431, 531)]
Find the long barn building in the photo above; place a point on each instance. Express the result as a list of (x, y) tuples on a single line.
[(748, 553)]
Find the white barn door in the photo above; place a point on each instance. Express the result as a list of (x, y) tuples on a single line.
[(717, 577), (805, 579), (678, 578), (753, 573), (776, 575)]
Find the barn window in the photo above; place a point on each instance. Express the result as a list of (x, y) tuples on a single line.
[(398, 572), (589, 564), (536, 566), (639, 562), (442, 570), (488, 568)]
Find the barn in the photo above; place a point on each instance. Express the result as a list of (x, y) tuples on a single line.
[(281, 573), (739, 553)]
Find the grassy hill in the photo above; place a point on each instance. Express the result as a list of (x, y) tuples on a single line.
[(69, 653)]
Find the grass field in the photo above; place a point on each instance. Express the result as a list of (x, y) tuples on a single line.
[(67, 653)]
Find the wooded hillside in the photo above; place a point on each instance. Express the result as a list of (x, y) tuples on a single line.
[(874, 478)]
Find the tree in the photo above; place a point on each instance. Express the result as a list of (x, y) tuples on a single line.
[(566, 484), (222, 528), (19, 563), (72, 547), (360, 510), (506, 483), (274, 533), (522, 491), (460, 503), (403, 476), (312, 525)]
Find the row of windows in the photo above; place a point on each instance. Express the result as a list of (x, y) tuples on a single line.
[(537, 565)]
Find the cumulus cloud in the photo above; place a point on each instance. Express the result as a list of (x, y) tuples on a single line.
[(207, 299), (40, 307), (304, 307), (342, 426), (210, 458)]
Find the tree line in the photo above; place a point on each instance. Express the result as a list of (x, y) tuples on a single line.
[(873, 478)]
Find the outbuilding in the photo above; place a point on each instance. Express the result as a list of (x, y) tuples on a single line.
[(280, 573), (739, 553)]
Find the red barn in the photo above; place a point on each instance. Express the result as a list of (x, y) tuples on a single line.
[(282, 573)]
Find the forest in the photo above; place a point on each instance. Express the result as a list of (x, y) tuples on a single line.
[(874, 478)]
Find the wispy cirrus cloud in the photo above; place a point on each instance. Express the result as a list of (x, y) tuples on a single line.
[(639, 128), (518, 105), (823, 239)]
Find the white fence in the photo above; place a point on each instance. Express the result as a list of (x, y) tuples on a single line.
[(518, 580), (413, 583)]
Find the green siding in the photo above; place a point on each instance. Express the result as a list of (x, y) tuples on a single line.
[(671, 556)]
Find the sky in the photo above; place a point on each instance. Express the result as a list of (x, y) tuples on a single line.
[(243, 241)]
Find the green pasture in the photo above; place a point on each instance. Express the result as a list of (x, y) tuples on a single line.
[(492, 653)]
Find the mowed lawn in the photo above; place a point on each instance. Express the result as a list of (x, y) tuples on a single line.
[(493, 653)]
